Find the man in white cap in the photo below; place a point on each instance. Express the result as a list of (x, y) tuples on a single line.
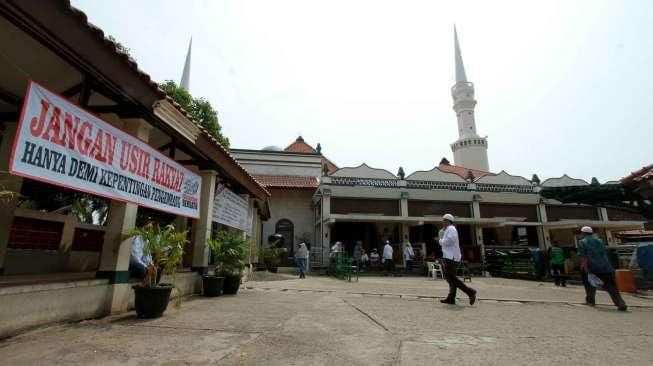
[(388, 262), (451, 256), (594, 260)]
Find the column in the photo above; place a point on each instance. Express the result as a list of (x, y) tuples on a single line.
[(477, 229), (114, 259), (325, 227), (543, 235), (202, 227), (404, 204), (8, 183), (603, 216)]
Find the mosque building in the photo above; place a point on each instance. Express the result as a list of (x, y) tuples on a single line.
[(314, 201)]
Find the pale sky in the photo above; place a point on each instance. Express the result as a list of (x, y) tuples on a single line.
[(562, 86)]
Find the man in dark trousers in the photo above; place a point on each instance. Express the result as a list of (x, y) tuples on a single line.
[(594, 260), (452, 257)]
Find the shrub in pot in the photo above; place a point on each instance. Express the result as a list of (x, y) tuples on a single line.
[(212, 284), (166, 248), (230, 259), (270, 257)]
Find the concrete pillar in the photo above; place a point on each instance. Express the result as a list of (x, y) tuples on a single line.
[(325, 227), (543, 234), (202, 226), (477, 229), (603, 216), (8, 183), (114, 259), (404, 204)]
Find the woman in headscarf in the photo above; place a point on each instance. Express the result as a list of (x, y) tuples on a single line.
[(301, 256)]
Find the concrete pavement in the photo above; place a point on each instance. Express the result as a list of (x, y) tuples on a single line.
[(376, 321)]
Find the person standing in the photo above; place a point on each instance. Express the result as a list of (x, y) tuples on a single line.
[(387, 257), (409, 254), (138, 261), (595, 261), (557, 263), (451, 259), (357, 253), (365, 259), (302, 259)]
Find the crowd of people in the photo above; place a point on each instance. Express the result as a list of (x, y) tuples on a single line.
[(595, 266)]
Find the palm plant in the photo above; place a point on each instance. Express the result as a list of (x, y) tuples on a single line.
[(230, 251), (165, 246)]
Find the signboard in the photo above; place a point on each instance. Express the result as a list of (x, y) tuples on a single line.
[(60, 143), (232, 210)]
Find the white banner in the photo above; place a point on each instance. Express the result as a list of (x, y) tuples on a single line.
[(232, 210), (60, 143)]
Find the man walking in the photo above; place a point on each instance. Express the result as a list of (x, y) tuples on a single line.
[(451, 257), (594, 260), (557, 264), (387, 257)]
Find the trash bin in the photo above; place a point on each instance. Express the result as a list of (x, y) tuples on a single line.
[(625, 280)]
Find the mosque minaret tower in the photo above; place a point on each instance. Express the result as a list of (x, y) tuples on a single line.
[(470, 150)]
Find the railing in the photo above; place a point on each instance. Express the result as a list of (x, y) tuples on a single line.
[(484, 187), (425, 184), (430, 185), (366, 182)]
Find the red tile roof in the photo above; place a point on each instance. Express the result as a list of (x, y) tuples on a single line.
[(300, 146), (287, 181), (462, 171), (644, 174)]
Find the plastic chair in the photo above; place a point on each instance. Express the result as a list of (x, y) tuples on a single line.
[(434, 269)]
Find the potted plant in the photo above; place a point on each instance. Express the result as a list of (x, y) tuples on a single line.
[(230, 260), (270, 257), (212, 284), (165, 246)]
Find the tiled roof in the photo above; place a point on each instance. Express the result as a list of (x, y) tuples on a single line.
[(462, 171), (300, 146), (644, 174), (146, 78), (287, 181)]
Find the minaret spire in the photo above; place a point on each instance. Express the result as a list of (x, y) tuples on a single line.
[(460, 68), (185, 75), (470, 150)]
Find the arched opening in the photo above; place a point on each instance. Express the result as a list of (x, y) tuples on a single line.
[(286, 228)]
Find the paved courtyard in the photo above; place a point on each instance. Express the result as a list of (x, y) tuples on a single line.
[(376, 321)]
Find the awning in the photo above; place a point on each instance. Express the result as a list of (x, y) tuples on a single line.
[(612, 225)]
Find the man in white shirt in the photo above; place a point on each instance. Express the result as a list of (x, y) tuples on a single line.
[(138, 261), (387, 257), (451, 257)]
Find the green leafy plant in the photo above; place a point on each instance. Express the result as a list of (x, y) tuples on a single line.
[(270, 256), (199, 109), (165, 246), (230, 251)]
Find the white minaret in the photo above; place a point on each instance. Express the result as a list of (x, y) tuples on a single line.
[(470, 150), (185, 75)]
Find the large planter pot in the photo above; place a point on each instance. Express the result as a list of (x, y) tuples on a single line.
[(212, 285), (151, 302), (231, 285)]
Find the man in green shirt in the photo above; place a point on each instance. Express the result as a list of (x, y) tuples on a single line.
[(557, 263), (595, 261)]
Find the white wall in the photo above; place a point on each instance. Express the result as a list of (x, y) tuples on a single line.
[(294, 205)]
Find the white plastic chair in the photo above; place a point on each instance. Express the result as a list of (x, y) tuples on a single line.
[(434, 269)]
